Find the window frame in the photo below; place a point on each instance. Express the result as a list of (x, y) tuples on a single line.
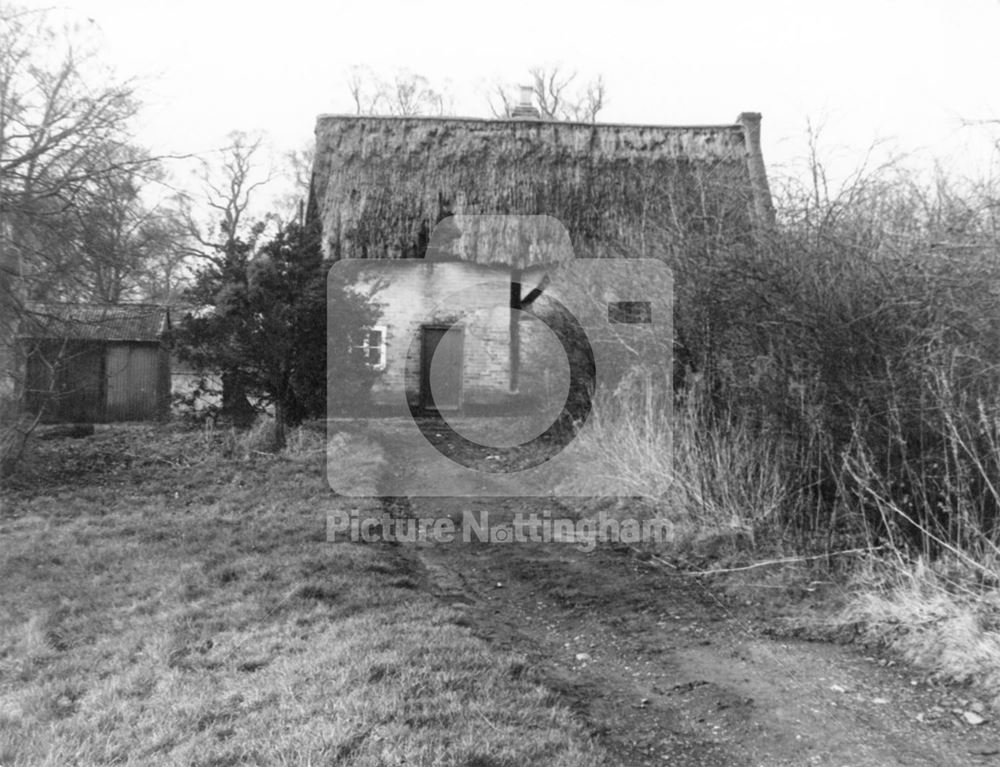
[(366, 346)]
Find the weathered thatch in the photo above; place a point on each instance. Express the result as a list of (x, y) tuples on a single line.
[(519, 242), (381, 184)]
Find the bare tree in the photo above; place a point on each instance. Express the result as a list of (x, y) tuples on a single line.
[(230, 187), (365, 90), (556, 96), (113, 237), (60, 113), (299, 163), (228, 246), (404, 95), (165, 273)]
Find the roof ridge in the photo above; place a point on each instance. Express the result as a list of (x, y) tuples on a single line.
[(143, 304), (540, 121)]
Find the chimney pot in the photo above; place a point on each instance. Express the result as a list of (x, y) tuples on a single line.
[(526, 110)]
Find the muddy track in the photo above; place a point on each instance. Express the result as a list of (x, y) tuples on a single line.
[(664, 671)]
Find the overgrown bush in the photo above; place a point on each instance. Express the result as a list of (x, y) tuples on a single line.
[(856, 349), (883, 342), (837, 385)]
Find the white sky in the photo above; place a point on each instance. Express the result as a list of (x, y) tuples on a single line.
[(905, 73)]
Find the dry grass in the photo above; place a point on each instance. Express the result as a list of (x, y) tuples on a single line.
[(189, 611), (354, 463), (721, 479), (932, 616), (850, 364), (726, 478)]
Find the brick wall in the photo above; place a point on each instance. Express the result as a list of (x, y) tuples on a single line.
[(418, 293)]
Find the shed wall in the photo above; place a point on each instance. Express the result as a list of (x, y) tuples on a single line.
[(134, 382), (93, 382), (65, 381)]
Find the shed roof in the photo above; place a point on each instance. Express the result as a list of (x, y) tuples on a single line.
[(95, 322)]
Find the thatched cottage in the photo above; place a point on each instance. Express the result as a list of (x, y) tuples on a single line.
[(384, 188)]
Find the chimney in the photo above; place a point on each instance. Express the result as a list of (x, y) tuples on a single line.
[(763, 205), (526, 110)]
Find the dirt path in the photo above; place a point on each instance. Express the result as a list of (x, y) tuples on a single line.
[(663, 672), (663, 676)]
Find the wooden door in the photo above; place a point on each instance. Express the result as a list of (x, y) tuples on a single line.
[(441, 368), (132, 382)]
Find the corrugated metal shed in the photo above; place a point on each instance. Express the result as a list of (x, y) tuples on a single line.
[(96, 363), (96, 322)]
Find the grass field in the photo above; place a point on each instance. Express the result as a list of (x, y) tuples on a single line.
[(163, 605)]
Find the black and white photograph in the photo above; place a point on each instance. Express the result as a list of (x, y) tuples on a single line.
[(465, 385)]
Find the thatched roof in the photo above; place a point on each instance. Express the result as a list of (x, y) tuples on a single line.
[(380, 185), (520, 242)]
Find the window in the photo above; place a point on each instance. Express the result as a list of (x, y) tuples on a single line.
[(371, 346), (630, 312)]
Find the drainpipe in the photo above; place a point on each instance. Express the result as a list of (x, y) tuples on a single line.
[(515, 328)]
